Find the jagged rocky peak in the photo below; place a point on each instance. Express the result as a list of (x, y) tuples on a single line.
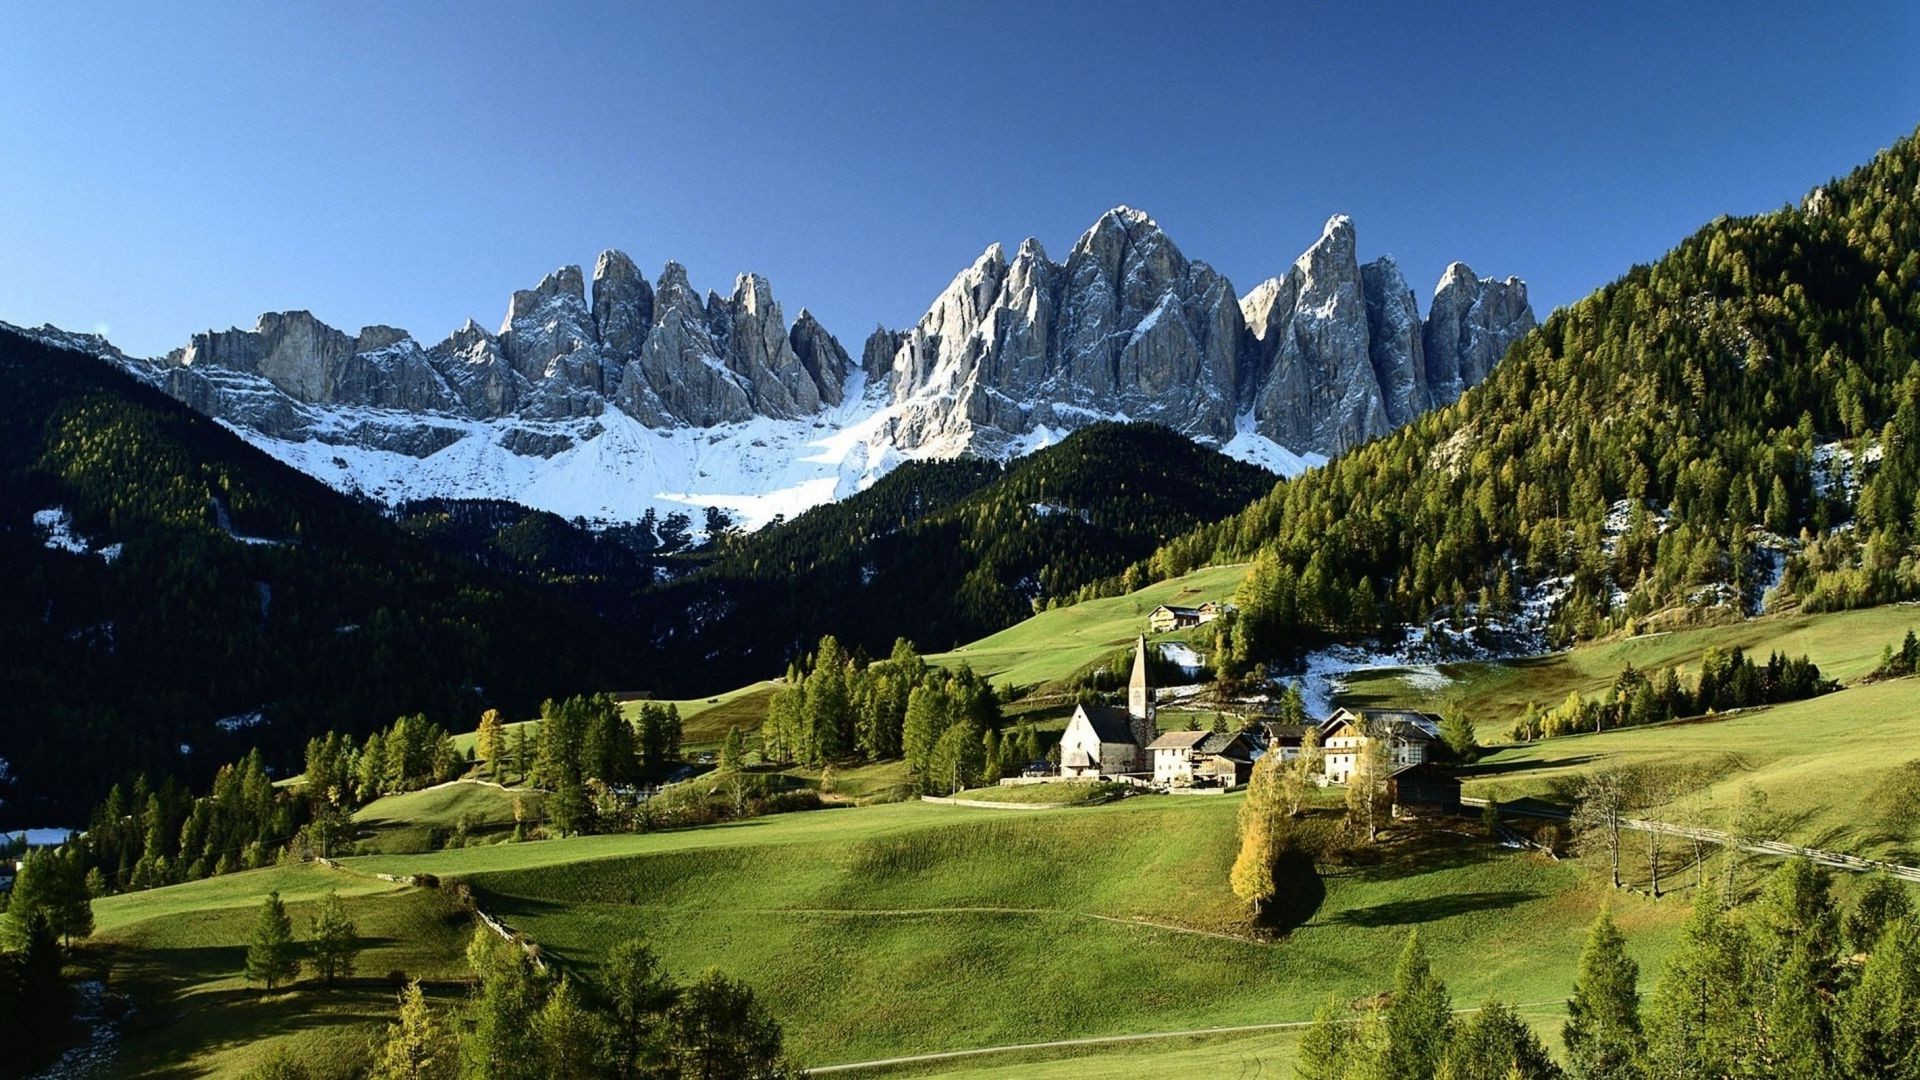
[(820, 353), (622, 304), (1470, 324)]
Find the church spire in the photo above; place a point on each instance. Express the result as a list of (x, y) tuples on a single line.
[(1140, 712)]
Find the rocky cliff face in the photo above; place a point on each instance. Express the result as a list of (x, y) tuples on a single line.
[(1318, 359), (1016, 351)]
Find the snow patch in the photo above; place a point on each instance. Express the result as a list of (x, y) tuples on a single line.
[(56, 531)]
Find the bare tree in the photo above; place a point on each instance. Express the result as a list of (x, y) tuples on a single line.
[(1599, 811), (1753, 822)]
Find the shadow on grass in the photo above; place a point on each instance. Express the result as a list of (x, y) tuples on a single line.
[(1431, 909), (1484, 769)]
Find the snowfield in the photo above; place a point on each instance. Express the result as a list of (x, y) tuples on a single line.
[(614, 468)]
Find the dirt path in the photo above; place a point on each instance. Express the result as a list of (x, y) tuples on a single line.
[(991, 910), (1100, 1040)]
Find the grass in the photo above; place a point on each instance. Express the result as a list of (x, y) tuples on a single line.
[(422, 820), (1823, 763), (1055, 644), (1063, 794), (910, 928), (704, 721), (1845, 644), (179, 953)]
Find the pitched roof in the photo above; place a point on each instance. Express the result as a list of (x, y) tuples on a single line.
[(1220, 742), (1405, 723), (1179, 740), (1176, 609), (1110, 724)]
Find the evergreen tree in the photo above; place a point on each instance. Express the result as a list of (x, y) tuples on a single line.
[(639, 995), (1881, 904), (1602, 1032), (43, 1002), (334, 941), (52, 884), (1497, 1044), (1697, 1017), (721, 1032), (271, 959)]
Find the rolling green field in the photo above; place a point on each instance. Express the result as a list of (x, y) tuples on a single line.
[(1825, 764), (910, 927), (1846, 645), (413, 821), (179, 952), (704, 720), (1055, 644)]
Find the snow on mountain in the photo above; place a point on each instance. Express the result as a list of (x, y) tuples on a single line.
[(645, 395)]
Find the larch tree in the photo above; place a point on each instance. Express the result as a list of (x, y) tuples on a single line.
[(490, 742), (1262, 829), (415, 1046), (1602, 1034)]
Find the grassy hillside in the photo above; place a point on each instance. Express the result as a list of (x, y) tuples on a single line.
[(179, 953), (1831, 766), (1845, 644), (1055, 644), (911, 927)]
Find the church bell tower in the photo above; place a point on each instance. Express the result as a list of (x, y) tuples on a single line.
[(1140, 697)]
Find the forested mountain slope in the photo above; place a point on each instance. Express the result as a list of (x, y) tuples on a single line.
[(174, 596), (1668, 440), (943, 552)]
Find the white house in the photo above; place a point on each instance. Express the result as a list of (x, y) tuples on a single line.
[(1409, 736), (1173, 754), (1203, 758), (1101, 740)]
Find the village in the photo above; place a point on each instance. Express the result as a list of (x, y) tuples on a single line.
[(1399, 750)]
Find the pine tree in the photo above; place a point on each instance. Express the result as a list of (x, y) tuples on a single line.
[(639, 994), (334, 940), (415, 1047), (1602, 1032), (1881, 904), (270, 955), (1697, 1016), (721, 1031), (1497, 1043)]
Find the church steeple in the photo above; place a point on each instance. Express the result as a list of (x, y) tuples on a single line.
[(1140, 696)]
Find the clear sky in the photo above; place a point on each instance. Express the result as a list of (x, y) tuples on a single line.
[(166, 168)]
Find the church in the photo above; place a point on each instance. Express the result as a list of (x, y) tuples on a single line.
[(1102, 740)]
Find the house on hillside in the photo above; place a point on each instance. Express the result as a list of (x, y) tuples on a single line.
[(1410, 738), (1169, 617), (1203, 758), (1103, 740), (1165, 618), (1282, 739)]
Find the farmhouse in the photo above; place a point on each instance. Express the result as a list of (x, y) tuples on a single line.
[(1164, 618), (1202, 758), (1102, 740), (1409, 737), (1283, 739), (1167, 617)]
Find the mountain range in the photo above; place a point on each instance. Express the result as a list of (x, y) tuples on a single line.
[(605, 399)]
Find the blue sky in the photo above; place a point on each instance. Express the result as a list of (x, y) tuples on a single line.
[(167, 168)]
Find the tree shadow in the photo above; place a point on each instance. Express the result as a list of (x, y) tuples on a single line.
[(1431, 909), (1483, 769)]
